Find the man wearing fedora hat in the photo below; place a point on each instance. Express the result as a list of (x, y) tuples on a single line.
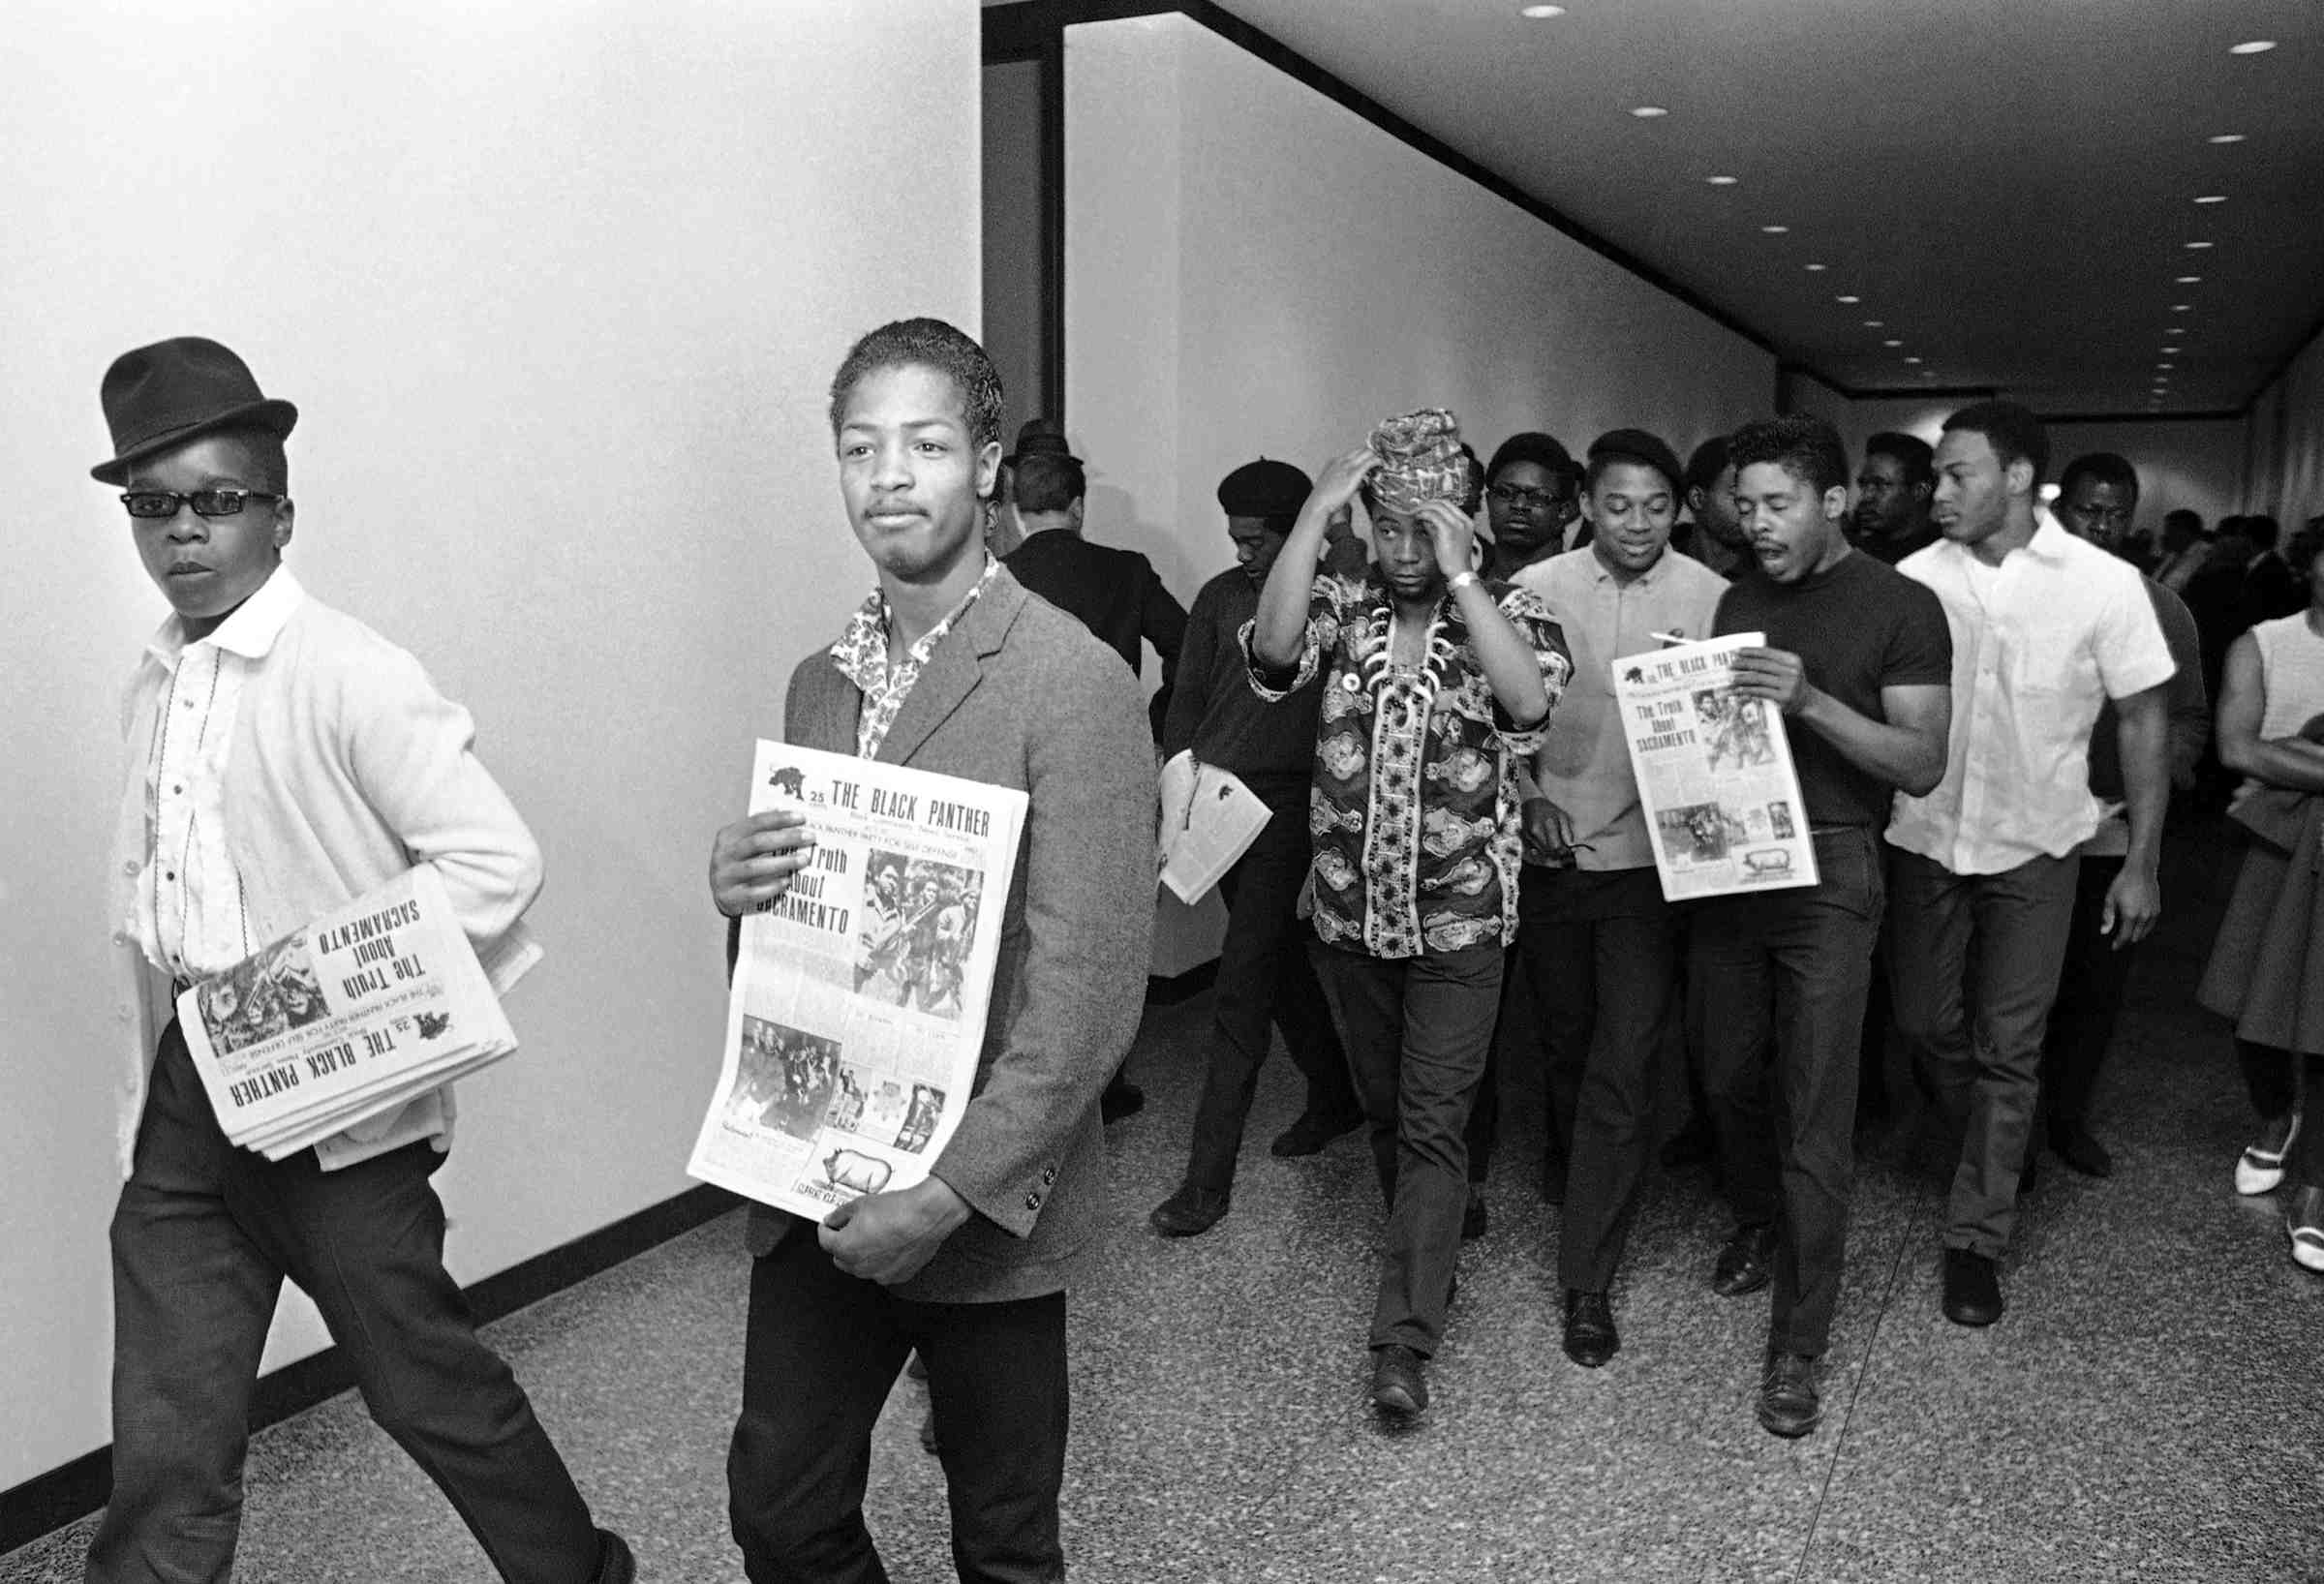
[(282, 760)]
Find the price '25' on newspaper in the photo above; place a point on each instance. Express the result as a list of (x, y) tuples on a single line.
[(858, 1006)]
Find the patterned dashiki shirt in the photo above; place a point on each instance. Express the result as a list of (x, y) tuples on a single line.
[(862, 657), (1415, 806)]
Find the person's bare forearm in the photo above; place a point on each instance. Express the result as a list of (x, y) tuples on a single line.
[(1281, 631), (2142, 733)]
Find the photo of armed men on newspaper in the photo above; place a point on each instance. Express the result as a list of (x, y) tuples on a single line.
[(918, 920), (262, 997)]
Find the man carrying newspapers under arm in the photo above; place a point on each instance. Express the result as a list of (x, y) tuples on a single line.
[(282, 759), (951, 666)]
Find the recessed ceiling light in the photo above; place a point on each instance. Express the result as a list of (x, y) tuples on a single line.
[(2189, 279), (2197, 247), (1648, 112), (1818, 269), (2174, 330), (2181, 307), (1892, 343), (1873, 323), (2166, 365), (2253, 47), (1775, 231), (1723, 182), (1847, 299), (1912, 359), (2212, 197), (2226, 138), (1542, 14)]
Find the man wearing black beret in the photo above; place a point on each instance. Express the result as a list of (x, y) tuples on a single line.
[(1263, 969)]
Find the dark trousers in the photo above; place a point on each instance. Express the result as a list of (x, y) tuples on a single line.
[(202, 1238), (820, 1357), (1415, 1030), (1602, 949), (2090, 996), (1263, 973), (1974, 967), (1782, 976), (2280, 1083)]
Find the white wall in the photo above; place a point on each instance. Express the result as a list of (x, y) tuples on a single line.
[(2286, 475), (2197, 464), (559, 291), (1251, 268)]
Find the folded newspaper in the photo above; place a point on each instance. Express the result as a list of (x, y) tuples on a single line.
[(1715, 774), (348, 1018), (1209, 820), (857, 1009)]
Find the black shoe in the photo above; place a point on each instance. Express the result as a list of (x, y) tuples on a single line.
[(2029, 1175), (1122, 1099), (1590, 1336), (1474, 1219), (1310, 1131), (1972, 1288), (927, 1431), (1788, 1401), (1553, 1182), (1400, 1382), (2072, 1144), (615, 1564), (1688, 1146), (1189, 1212), (1743, 1264), (916, 1366)]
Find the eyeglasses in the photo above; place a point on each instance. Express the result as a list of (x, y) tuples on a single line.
[(205, 502), (1517, 495)]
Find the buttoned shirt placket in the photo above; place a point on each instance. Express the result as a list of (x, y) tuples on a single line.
[(191, 915)]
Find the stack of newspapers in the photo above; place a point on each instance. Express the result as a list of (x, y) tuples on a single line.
[(348, 1018)]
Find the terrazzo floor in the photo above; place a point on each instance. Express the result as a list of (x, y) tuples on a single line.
[(2151, 1407)]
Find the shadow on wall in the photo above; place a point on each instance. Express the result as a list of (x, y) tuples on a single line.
[(1110, 516)]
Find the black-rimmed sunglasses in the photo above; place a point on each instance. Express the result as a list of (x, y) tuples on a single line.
[(205, 502)]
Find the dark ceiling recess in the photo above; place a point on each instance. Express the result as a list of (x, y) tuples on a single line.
[(2096, 207)]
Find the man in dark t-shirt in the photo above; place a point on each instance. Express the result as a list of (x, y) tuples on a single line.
[(1859, 661)]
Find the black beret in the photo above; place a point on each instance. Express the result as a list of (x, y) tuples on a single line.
[(1640, 447), (1542, 451), (1265, 489)]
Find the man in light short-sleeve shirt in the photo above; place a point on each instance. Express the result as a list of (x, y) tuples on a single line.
[(2046, 629)]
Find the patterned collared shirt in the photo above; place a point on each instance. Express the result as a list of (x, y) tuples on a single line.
[(1415, 806), (862, 657)]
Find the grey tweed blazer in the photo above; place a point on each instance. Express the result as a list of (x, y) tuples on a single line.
[(1020, 694)]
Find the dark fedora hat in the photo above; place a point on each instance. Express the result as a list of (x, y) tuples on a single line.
[(1041, 437), (176, 391)]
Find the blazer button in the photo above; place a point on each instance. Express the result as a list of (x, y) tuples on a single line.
[(1049, 1175), (1032, 1201)]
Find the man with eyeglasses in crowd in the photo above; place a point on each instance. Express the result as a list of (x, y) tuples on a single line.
[(2098, 497), (284, 759)]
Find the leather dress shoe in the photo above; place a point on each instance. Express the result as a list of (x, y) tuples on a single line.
[(1189, 1212), (2304, 1220), (1972, 1288), (1590, 1336), (1399, 1382), (1310, 1131), (615, 1564), (1744, 1263), (1788, 1402), (2259, 1169), (1474, 1218), (2072, 1144)]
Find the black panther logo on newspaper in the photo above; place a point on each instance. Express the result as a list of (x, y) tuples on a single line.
[(790, 780), (432, 1025), (1634, 675)]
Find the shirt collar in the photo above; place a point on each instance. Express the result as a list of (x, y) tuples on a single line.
[(2050, 536), (249, 631), (867, 631), (1601, 573)]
